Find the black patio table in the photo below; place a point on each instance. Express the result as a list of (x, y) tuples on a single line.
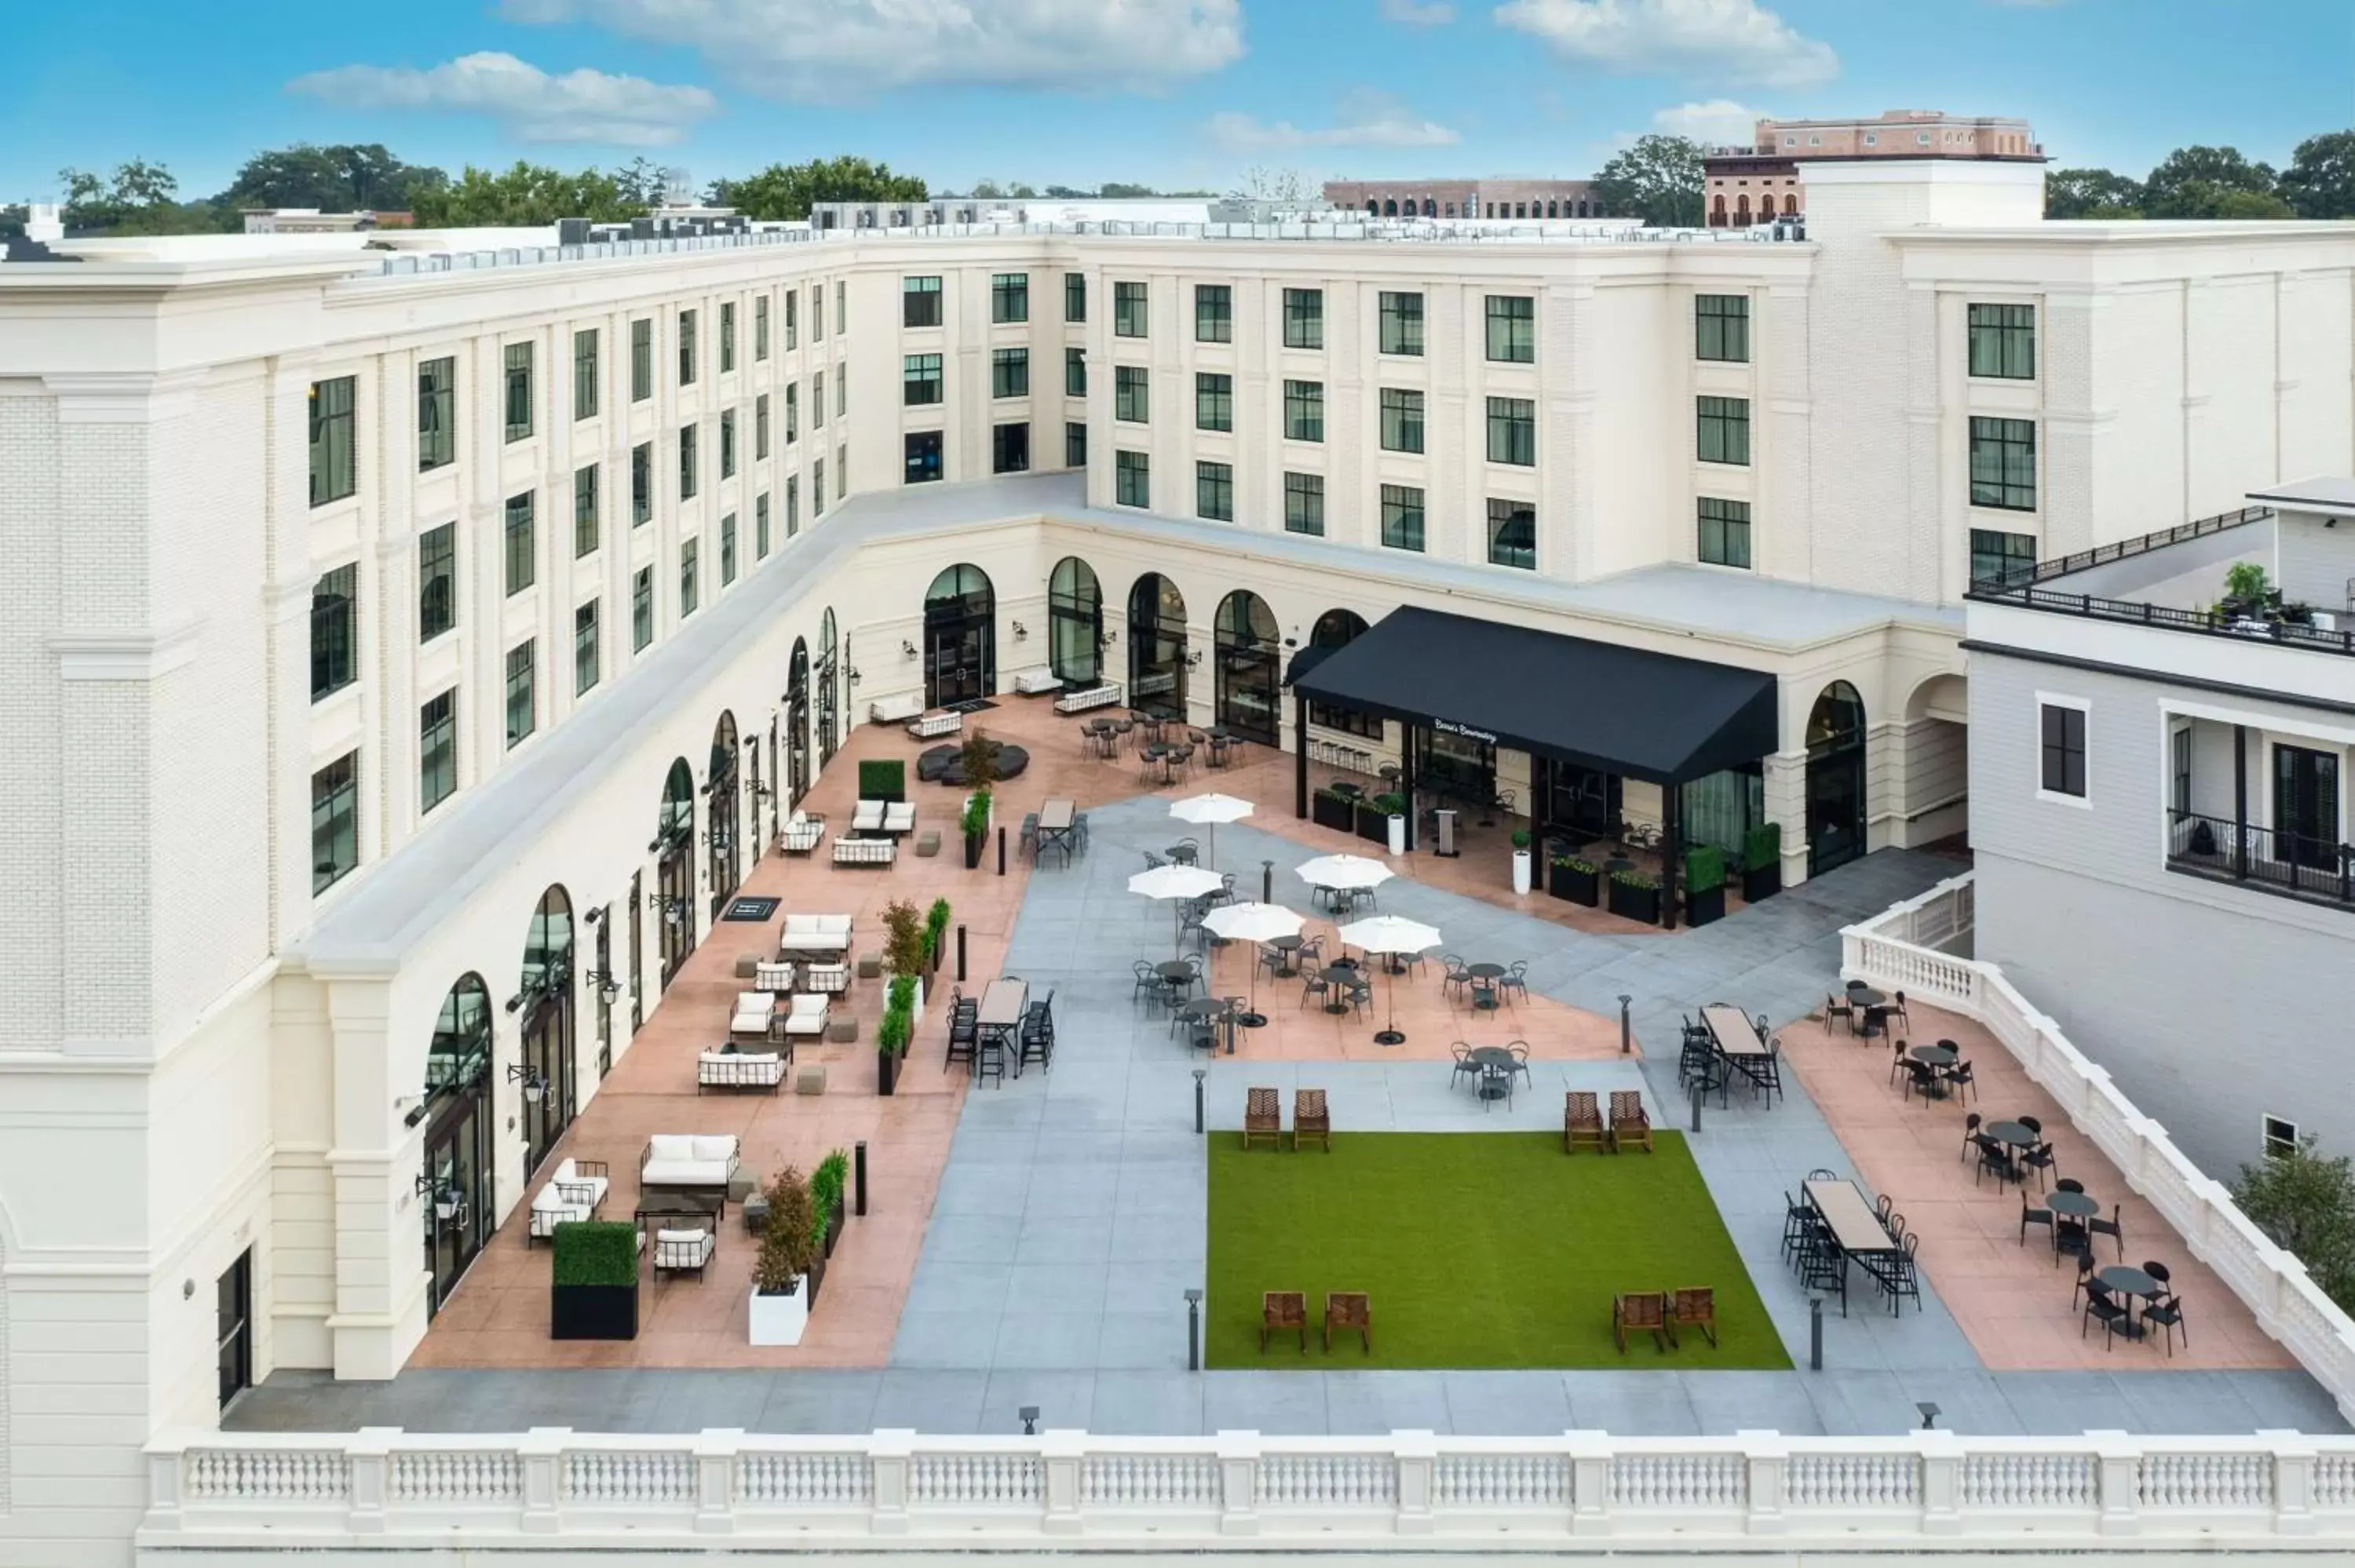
[(1217, 1010), (1936, 1057), (1497, 1066), (1338, 976), (1287, 946), (1484, 997), (2017, 1134), (2125, 1280), (1870, 1003)]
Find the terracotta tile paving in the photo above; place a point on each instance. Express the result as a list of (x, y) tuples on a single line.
[(2013, 1302)]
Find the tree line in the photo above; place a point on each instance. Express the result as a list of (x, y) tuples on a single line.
[(2216, 182)]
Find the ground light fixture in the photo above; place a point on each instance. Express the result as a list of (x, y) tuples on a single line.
[(1929, 1415), (1029, 1415)]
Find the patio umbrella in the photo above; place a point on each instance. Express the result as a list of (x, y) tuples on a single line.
[(1252, 923), (1211, 811), (1165, 882), (1349, 872), (1390, 934)]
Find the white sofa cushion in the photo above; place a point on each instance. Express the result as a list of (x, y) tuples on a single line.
[(867, 817), (896, 710), (754, 1011), (777, 977), (818, 925), (1036, 680), (899, 817)]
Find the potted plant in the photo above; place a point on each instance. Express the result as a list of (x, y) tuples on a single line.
[(1371, 822), (780, 1306), (891, 1044), (936, 934), (975, 825), (1636, 897), (1761, 862), (884, 778), (1568, 876), (1331, 809), (1522, 867), (1704, 885), (827, 1192), (978, 756), (1392, 806), (903, 955), (593, 1281)]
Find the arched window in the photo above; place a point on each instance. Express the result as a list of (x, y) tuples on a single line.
[(1373, 206), (1246, 636), (1074, 622), (459, 1208), (1741, 212), (1836, 787), (960, 637), (1339, 629), (1156, 646), (1790, 207), (1390, 208), (1717, 210), (548, 1091), (1553, 209), (1430, 207), (674, 849)]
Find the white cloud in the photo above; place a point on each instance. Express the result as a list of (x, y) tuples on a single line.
[(833, 50), (578, 106), (1366, 119), (1720, 121), (1708, 40), (1418, 14)]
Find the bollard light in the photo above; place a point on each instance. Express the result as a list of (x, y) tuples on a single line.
[(1194, 1330), (1199, 1073), (1698, 1092), (1030, 1413), (859, 1173), (1814, 1333), (1929, 1415), (1626, 1039)]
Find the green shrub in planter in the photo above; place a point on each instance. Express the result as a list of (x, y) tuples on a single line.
[(902, 997), (595, 1252), (1390, 804), (892, 1033), (882, 779), (1568, 876), (936, 932), (1704, 868), (1763, 847), (975, 820), (1636, 897), (1520, 838)]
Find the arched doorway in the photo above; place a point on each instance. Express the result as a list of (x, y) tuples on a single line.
[(960, 637), (1339, 629), (797, 723), (545, 1003), (1246, 635), (458, 1138), (1074, 623), (827, 678), (1157, 647), (724, 817), (1835, 779), (673, 899)]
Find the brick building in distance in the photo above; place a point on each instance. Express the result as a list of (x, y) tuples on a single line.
[(1488, 198), (1749, 184)]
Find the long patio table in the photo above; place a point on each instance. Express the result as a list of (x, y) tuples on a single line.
[(1735, 1035), (1057, 820), (1853, 1224)]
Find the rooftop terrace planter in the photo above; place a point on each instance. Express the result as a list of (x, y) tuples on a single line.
[(1372, 823), (1578, 881), (593, 1289), (1330, 810), (1761, 862), (1635, 898)]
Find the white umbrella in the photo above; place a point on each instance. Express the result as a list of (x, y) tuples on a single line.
[(1390, 934), (1252, 923), (1165, 882), (1210, 810), (1344, 871)]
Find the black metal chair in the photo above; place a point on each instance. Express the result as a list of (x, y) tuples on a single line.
[(2111, 1227), (2100, 1304), (1970, 1135), (965, 1032), (1454, 975), (1823, 1266), (1839, 1009), (1994, 1157), (2038, 1159), (2168, 1312), (1464, 1067), (2028, 1216), (1515, 978), (1148, 982), (1314, 984), (2068, 1184), (2031, 1124), (2084, 1276)]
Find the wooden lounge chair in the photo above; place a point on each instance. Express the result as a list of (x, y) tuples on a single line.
[(1262, 1118), (1694, 1308), (1349, 1309), (1629, 1125), (1640, 1313), (1582, 1121), (1282, 1310), (1311, 1119)]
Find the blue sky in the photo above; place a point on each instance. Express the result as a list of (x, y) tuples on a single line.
[(1170, 92)]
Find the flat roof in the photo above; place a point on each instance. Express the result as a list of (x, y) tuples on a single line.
[(2327, 492)]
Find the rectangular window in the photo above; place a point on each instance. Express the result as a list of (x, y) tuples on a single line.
[(2178, 757), (1075, 444), (1132, 479), (728, 443), (841, 470), (1722, 327), (761, 427), (522, 701), (1304, 504), (817, 400), (1214, 313), (792, 505), (1401, 324), (334, 442), (687, 348), (642, 609), (1075, 373), (1723, 425), (437, 750), (842, 391), (2003, 463), (642, 360), (817, 311), (1512, 534), (1075, 297), (1214, 400), (1009, 297), (687, 455), (2003, 342), (760, 326), (922, 452), (584, 648), (335, 607), (585, 529), (761, 526), (690, 576), (522, 543), (841, 307), (727, 336), (584, 373), (919, 382), (437, 413), (1402, 517), (1724, 539), (642, 484), (2063, 750), (1010, 373), (1402, 420), (1214, 491), (817, 488), (334, 822), (518, 385), (2280, 1136), (1513, 431), (1999, 557), (728, 549), (437, 581), (1512, 329), (792, 319), (1009, 449), (1128, 310), (792, 412), (919, 302), (1304, 410), (1304, 318), (1131, 394)]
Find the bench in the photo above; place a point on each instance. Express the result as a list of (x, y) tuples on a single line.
[(897, 710), (1036, 681), (866, 852), (1093, 698), (762, 1070), (932, 725), (575, 1193)]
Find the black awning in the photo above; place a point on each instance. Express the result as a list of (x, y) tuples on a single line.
[(1619, 710)]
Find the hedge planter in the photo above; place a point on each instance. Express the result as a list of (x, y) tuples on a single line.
[(1705, 905), (593, 1281), (593, 1312), (1578, 883), (1763, 882), (833, 1217), (1373, 824), (1635, 902), (1333, 811)]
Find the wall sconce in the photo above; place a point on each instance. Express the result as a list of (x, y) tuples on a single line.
[(718, 839), (1107, 638), (596, 914), (448, 1202), (907, 648), (608, 988), (671, 909), (1020, 631), (760, 788), (1193, 658), (535, 1086), (854, 675)]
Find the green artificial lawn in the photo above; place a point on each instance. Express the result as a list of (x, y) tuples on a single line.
[(1476, 1249)]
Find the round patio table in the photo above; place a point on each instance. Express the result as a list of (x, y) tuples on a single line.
[(1939, 1055), (2127, 1281), (1338, 976), (2076, 1205), (1175, 973), (1287, 946), (1183, 855), (2015, 1134), (1483, 996), (1497, 1066), (1869, 1001), (1216, 1010)]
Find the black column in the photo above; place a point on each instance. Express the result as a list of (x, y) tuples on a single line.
[(2241, 801), (1406, 779), (1672, 853), (1300, 755)]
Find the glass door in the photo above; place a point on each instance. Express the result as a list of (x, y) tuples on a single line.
[(233, 1328), (2305, 808), (457, 1158), (548, 1054), (953, 663), (674, 885)]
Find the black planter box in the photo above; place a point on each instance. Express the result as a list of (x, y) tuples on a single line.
[(1373, 826), (1636, 902), (887, 1071), (817, 1276), (1762, 882), (1703, 906), (974, 844), (1330, 811), (592, 1311), (1578, 886), (833, 1226)]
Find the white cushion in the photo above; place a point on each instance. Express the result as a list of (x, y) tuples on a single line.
[(715, 1146), (687, 1236), (827, 978), (899, 817), (805, 1004), (671, 1146), (867, 816), (896, 710), (774, 977)]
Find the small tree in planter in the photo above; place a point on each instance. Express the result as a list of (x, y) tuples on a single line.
[(1522, 871), (1761, 862), (978, 756), (1636, 897), (903, 939), (1704, 885), (781, 1295), (593, 1281)]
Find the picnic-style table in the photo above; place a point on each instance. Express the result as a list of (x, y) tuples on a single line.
[(1853, 1225), (1733, 1030), (1058, 821), (1002, 1006)]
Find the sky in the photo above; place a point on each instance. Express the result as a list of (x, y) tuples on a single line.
[(1174, 93)]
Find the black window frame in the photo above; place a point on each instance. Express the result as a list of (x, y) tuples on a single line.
[(519, 541), (642, 484), (1010, 373), (761, 427), (1009, 446), (1132, 306), (690, 577), (759, 328), (334, 440), (518, 395), (1214, 400), (1402, 517), (1512, 534), (1512, 321), (1304, 410), (919, 302), (1131, 478), (727, 443), (334, 822), (1513, 431), (1132, 393), (642, 610), (1402, 418), (1722, 532), (1214, 313), (1721, 328), (1075, 372), (2061, 750), (727, 550), (641, 359), (437, 582), (1400, 322), (587, 527), (1997, 557), (1304, 318), (437, 749), (1304, 504), (923, 457), (727, 336), (437, 413), (1075, 298), (586, 661), (2000, 449), (1214, 489), (1009, 297), (522, 687), (1075, 443), (2000, 342), (1723, 423), (761, 526), (921, 382), (335, 630), (690, 448), (586, 373), (687, 365)]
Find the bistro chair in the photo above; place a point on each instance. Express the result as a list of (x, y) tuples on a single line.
[(2156, 1270), (1515, 979), (1880, 1207), (1970, 1134), (1901, 1275), (1901, 1065), (1281, 1311), (2111, 1227), (1841, 1008), (2030, 1122), (1464, 1067), (1148, 982), (1960, 1082), (2028, 1216), (1154, 862), (1314, 985), (2168, 1311), (2068, 1184), (2038, 1159), (2101, 1304), (1186, 851), (1455, 974), (1994, 1157), (965, 1034), (2084, 1276), (1348, 1311), (1823, 1266), (1798, 1219), (1897, 1007)]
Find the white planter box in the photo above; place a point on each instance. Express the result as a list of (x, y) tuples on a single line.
[(781, 1319)]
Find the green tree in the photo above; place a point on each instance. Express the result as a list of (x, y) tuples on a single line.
[(1021, 192), (2321, 179), (139, 197), (13, 220), (1658, 180), (988, 190), (1113, 190), (2091, 193), (527, 195), (346, 178), (2206, 199), (2192, 182), (1067, 192), (2307, 1203), (788, 191)]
